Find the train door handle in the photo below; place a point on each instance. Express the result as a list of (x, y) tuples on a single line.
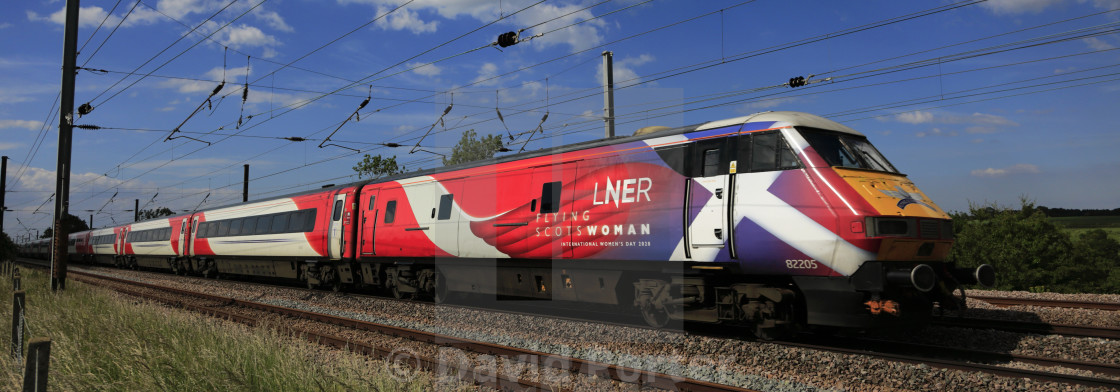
[(719, 234), (719, 193)]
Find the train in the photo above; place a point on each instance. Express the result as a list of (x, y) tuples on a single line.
[(775, 222)]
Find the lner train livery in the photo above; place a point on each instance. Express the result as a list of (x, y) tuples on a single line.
[(776, 221)]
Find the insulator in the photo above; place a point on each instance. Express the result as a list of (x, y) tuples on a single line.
[(797, 81), (507, 39), (84, 109)]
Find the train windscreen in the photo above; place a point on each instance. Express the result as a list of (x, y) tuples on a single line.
[(846, 150)]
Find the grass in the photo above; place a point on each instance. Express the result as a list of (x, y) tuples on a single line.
[(102, 341), (1076, 225)]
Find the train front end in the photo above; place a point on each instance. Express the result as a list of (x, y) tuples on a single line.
[(889, 265)]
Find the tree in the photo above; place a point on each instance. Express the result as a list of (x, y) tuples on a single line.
[(155, 213), (1032, 253), (7, 247), (375, 167), (470, 148), (72, 223)]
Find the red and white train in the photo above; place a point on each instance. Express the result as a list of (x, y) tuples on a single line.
[(776, 220)]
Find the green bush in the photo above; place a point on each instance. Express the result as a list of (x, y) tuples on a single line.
[(1032, 253)]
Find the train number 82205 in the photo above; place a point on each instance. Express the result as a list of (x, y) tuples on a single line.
[(801, 264)]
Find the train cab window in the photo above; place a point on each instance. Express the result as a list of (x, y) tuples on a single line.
[(846, 150), (445, 203), (280, 223), (390, 211), (550, 197), (711, 163), (337, 211), (769, 151)]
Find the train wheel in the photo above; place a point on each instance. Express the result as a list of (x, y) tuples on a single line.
[(657, 317), (398, 294), (440, 294)]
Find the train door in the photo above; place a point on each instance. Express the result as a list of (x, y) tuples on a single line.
[(188, 249), (445, 223), (121, 241), (369, 214), (183, 227), (709, 192), (335, 234), (550, 230)]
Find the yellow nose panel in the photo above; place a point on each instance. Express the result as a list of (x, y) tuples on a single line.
[(891, 194)]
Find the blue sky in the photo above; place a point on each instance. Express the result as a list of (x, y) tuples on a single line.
[(976, 102)]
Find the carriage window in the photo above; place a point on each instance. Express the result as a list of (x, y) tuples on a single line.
[(223, 228), (550, 197), (279, 223), (445, 202), (337, 211), (249, 227), (297, 223), (371, 199), (264, 224), (235, 227), (390, 211), (711, 157)]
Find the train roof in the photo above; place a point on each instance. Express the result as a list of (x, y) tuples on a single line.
[(781, 118)]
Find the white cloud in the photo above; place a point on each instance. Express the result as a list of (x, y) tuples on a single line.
[(763, 104), (5, 25), (425, 70), (981, 119), (1098, 44), (916, 117), (578, 37), (274, 20), (10, 146), (1012, 7), (32, 125), (1022, 168), (486, 71), (405, 19), (246, 36), (624, 73), (93, 16), (936, 132)]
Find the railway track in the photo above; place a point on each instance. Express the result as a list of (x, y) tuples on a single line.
[(933, 356), (559, 362), (1049, 303), (965, 360), (1085, 331)]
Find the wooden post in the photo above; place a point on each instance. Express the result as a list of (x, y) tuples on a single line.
[(17, 324), (38, 365), (15, 280)]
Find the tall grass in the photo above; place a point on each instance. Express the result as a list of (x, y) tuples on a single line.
[(102, 341)]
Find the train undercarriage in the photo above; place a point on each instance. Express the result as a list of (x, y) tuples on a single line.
[(879, 295)]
